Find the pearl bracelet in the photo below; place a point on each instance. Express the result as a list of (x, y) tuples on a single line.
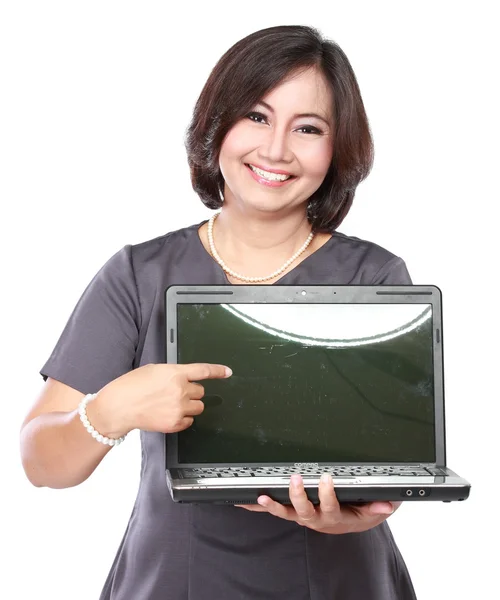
[(82, 409)]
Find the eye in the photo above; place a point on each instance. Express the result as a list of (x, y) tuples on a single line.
[(255, 116), (310, 129)]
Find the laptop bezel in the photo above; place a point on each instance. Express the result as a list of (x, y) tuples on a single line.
[(278, 294)]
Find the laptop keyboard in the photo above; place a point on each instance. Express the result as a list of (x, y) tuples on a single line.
[(335, 471)]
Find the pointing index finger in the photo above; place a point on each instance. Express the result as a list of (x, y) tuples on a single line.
[(199, 371)]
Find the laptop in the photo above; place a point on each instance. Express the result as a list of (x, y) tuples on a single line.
[(346, 380)]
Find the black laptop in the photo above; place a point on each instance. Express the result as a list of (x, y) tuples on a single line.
[(346, 380)]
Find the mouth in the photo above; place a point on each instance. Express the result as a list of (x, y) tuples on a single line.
[(268, 175)]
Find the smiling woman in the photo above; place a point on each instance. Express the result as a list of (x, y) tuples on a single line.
[(282, 101), (279, 141), (280, 148)]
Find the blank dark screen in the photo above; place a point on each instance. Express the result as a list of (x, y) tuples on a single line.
[(311, 383)]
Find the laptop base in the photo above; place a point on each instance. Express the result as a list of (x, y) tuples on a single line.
[(388, 489)]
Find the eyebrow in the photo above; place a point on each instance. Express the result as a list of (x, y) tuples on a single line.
[(295, 116)]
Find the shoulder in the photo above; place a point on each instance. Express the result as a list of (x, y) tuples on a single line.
[(362, 250), (369, 263), (134, 263), (164, 246)]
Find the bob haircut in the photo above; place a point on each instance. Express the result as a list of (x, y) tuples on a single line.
[(244, 75)]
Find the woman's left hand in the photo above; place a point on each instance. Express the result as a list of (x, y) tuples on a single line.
[(329, 516)]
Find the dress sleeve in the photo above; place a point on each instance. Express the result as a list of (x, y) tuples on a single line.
[(99, 341), (393, 272)]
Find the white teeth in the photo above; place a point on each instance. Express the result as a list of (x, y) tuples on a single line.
[(269, 176)]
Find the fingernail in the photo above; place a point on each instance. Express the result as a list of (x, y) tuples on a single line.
[(296, 480), (326, 478), (228, 372), (263, 501)]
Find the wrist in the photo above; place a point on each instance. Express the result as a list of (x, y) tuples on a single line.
[(104, 417)]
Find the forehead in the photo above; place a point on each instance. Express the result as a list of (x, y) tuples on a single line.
[(302, 92)]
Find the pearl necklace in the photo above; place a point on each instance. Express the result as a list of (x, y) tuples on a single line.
[(242, 277)]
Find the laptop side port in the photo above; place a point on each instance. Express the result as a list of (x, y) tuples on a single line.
[(409, 492)]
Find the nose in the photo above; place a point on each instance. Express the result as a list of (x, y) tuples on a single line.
[(276, 147)]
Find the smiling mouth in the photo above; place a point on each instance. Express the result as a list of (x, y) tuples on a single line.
[(269, 176)]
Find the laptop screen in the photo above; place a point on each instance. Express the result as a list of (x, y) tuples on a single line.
[(311, 383)]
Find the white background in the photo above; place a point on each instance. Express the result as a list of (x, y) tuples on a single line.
[(95, 98)]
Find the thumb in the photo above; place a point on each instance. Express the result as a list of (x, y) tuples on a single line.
[(382, 508)]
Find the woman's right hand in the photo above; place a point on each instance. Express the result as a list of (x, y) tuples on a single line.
[(155, 397)]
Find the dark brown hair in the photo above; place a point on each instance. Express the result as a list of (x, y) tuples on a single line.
[(244, 75)]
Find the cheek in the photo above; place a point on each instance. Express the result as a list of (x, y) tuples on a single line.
[(317, 159), (237, 143)]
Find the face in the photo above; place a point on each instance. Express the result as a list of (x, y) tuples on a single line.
[(289, 133)]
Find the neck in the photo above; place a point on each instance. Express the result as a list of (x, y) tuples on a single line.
[(241, 234), (251, 247)]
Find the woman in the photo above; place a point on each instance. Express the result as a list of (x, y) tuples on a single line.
[(280, 140)]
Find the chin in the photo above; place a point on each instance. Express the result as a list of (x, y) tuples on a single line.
[(264, 205)]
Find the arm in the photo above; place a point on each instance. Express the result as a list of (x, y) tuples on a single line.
[(58, 452), (56, 449), (96, 353)]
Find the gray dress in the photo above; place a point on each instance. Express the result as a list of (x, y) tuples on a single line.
[(195, 552)]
